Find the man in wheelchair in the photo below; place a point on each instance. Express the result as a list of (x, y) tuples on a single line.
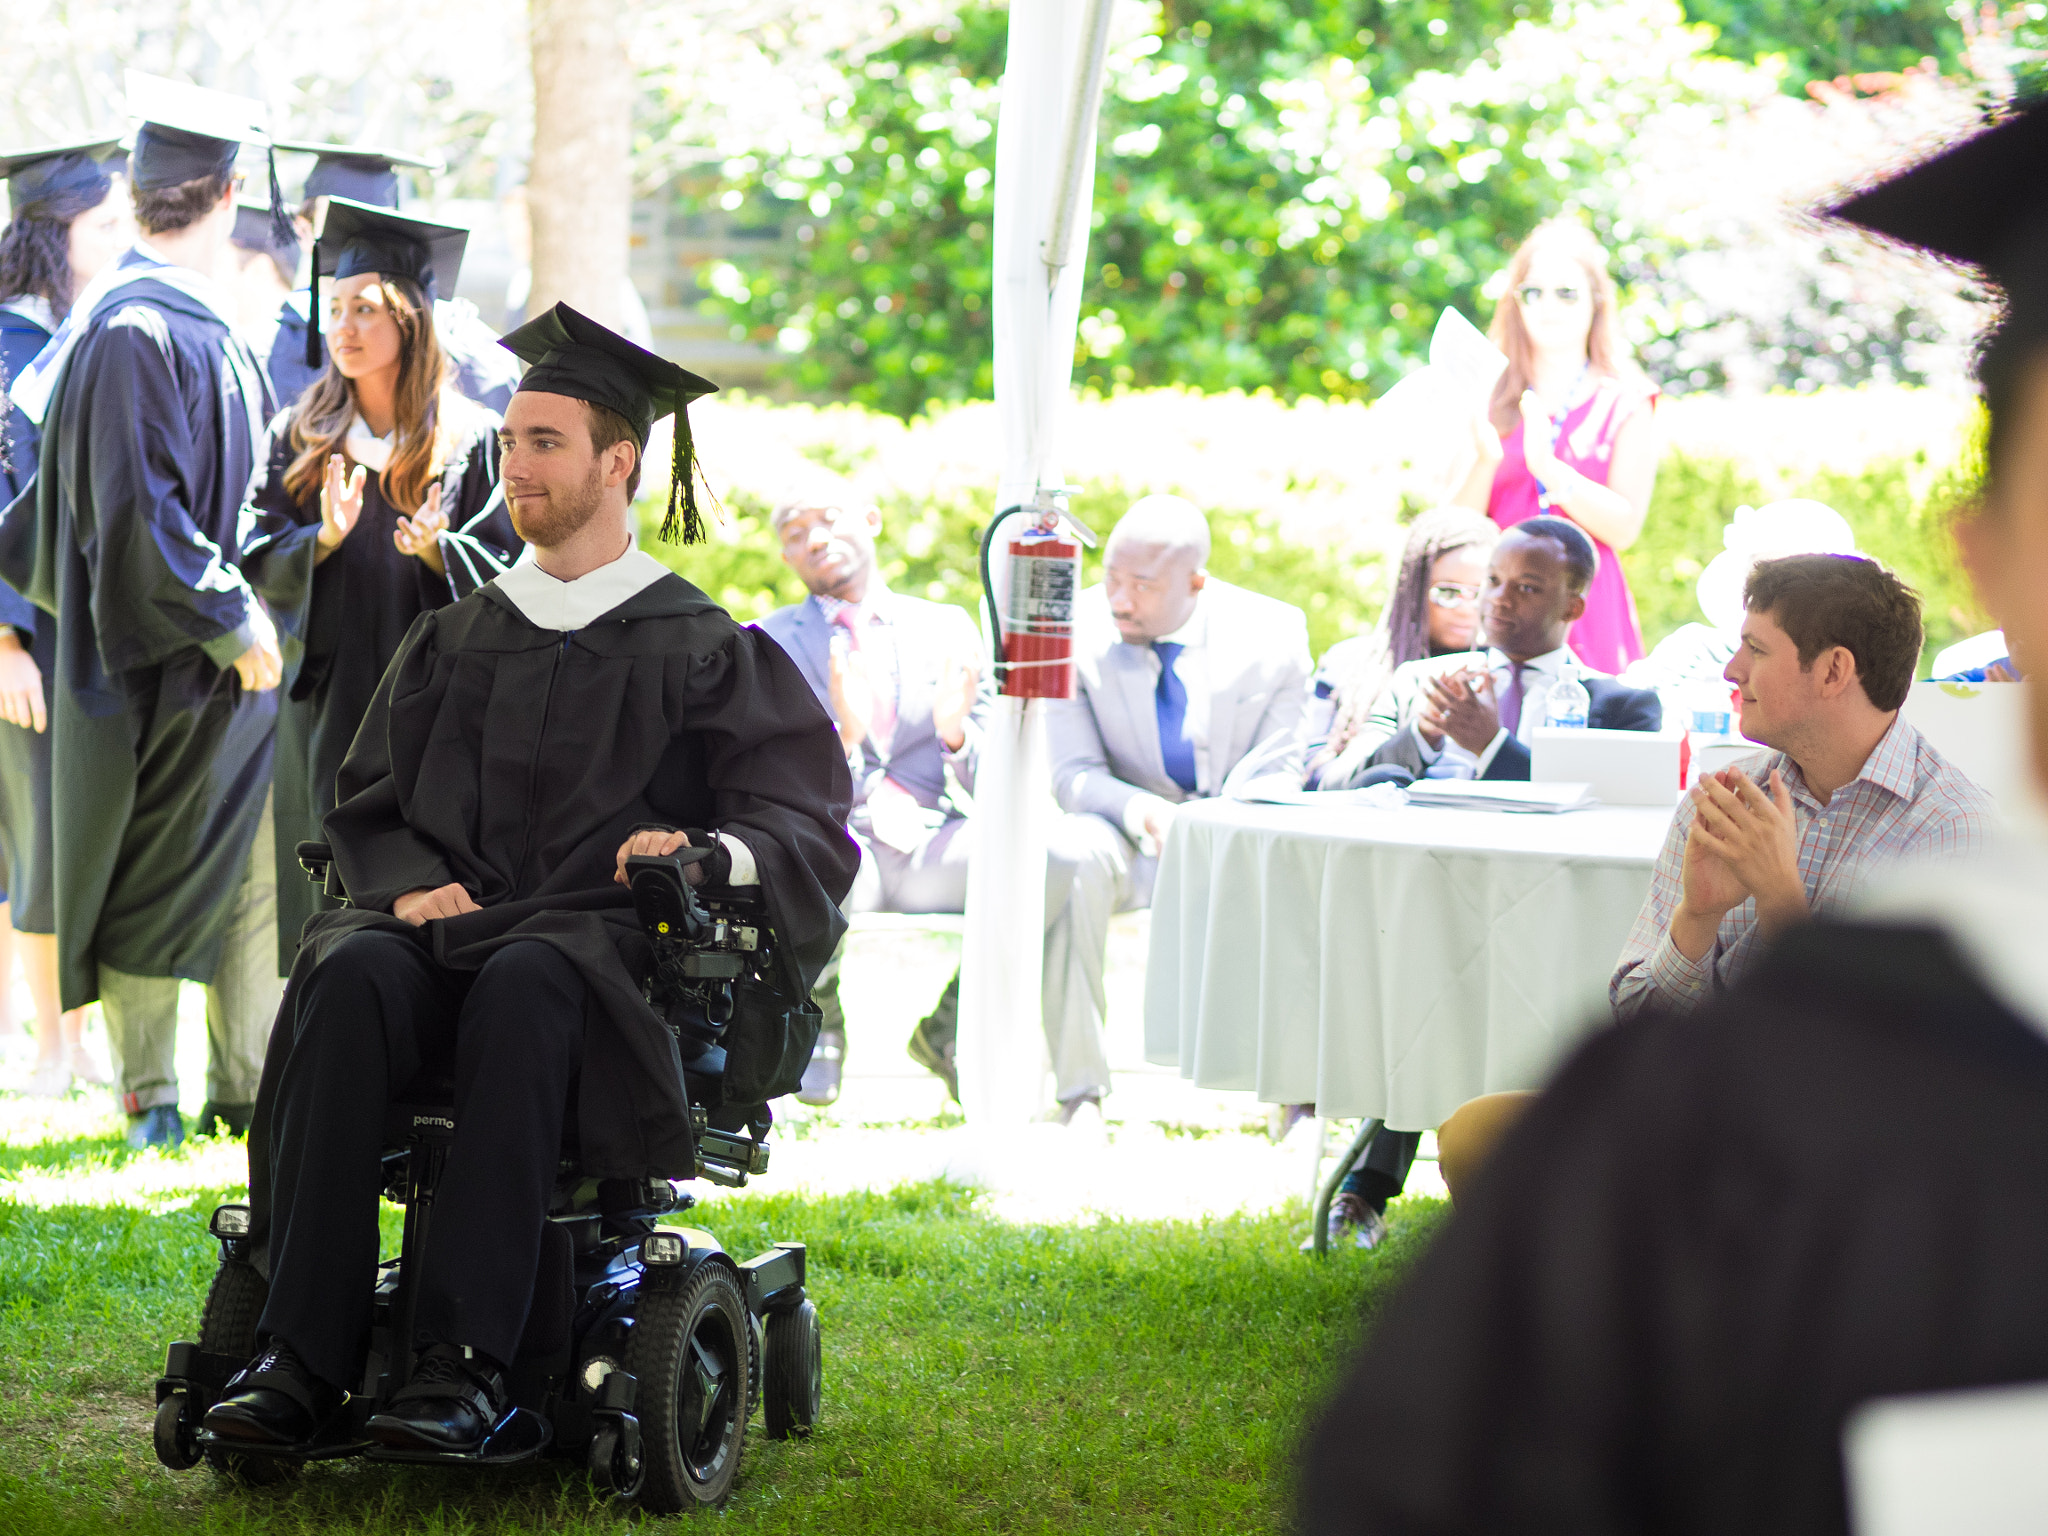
[(585, 708)]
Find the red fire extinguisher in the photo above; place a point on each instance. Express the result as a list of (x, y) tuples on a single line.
[(1034, 614)]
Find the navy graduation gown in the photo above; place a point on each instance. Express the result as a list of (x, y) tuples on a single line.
[(161, 760), (29, 880)]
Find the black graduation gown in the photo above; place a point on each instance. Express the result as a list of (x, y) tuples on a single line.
[(344, 619), (483, 370), (517, 760), (161, 760), (1707, 1242), (29, 881)]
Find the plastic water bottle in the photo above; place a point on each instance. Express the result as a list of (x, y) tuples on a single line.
[(1567, 706)]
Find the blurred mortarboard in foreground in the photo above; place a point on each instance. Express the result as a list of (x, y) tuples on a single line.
[(359, 172), (568, 353), (355, 238), (254, 232), (53, 170), (189, 132), (1982, 201)]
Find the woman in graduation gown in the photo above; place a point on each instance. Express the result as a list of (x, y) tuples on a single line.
[(1712, 1240), (377, 501), (70, 221)]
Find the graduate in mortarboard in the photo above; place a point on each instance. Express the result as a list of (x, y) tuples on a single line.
[(260, 270), (69, 219), (483, 370), (1713, 1238), (378, 501), (586, 705), (162, 700)]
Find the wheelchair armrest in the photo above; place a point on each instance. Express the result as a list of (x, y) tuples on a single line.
[(317, 860)]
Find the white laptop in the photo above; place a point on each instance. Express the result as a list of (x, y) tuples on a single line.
[(1623, 767)]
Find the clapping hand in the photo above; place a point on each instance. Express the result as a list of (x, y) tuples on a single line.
[(341, 503), (1754, 839), (420, 534), (1461, 705), (21, 684), (953, 700)]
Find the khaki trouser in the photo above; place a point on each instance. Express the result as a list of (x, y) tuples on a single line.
[(1466, 1140), (241, 1002)]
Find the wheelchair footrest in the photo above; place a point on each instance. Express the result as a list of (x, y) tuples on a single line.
[(341, 1435), (520, 1436)]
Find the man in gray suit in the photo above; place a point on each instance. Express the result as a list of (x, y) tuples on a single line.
[(900, 678), (1189, 687)]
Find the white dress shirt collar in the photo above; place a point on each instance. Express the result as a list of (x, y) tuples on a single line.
[(550, 603)]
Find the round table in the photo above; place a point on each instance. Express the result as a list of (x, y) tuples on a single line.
[(1387, 963)]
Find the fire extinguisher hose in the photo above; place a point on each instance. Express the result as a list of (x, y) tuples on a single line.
[(988, 587)]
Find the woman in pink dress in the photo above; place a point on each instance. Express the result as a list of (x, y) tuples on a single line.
[(1572, 428)]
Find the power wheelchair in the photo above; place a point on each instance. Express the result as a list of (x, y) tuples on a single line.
[(648, 1348)]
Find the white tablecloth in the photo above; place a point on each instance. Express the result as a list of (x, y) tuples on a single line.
[(1392, 963)]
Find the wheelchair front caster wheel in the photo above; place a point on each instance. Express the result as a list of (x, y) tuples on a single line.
[(690, 1353), (793, 1376), (615, 1461), (173, 1436)]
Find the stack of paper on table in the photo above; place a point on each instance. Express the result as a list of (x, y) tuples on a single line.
[(1501, 795)]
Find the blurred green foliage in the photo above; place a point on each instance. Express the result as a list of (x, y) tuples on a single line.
[(1240, 238), (1902, 510), (1841, 37), (1202, 275)]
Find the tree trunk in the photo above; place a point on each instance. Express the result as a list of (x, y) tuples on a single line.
[(579, 186)]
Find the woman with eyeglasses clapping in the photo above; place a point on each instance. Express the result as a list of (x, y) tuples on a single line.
[(1571, 431), (1432, 610)]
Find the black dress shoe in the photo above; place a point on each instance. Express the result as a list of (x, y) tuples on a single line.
[(274, 1401), (451, 1405)]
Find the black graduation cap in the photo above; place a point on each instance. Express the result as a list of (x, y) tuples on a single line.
[(1982, 201), (52, 170), (189, 131), (568, 353), (357, 172), (253, 232), (354, 238)]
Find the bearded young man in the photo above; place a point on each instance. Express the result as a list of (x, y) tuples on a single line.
[(521, 746)]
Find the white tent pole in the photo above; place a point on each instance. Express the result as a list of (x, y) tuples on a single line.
[(1077, 147), (1045, 168)]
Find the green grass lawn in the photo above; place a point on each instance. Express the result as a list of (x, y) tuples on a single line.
[(980, 1376)]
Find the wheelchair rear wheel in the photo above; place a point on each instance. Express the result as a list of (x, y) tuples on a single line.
[(228, 1327), (691, 1349), (794, 1376)]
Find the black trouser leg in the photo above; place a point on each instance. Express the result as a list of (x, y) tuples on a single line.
[(373, 1011), (518, 1045), (1383, 1171)]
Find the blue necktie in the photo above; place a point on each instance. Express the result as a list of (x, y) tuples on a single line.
[(1170, 698)]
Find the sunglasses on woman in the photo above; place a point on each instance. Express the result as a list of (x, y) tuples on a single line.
[(1563, 293), (1453, 594)]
